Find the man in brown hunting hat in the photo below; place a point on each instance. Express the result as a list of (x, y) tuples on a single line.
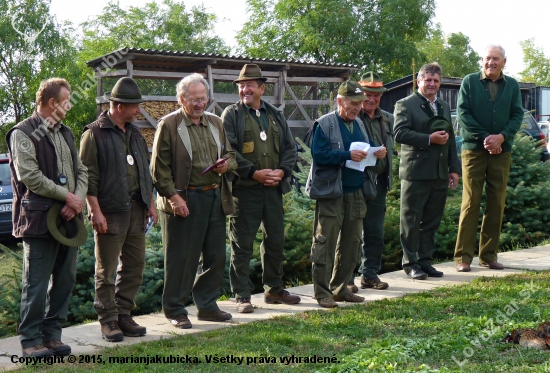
[(266, 156), (120, 199), (379, 126)]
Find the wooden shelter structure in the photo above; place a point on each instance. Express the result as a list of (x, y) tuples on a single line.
[(301, 105)]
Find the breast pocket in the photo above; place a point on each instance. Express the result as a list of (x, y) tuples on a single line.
[(417, 154)]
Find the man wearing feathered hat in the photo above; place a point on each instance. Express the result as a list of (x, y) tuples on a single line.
[(379, 126)]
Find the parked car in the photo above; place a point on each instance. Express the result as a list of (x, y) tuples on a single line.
[(6, 198), (529, 126)]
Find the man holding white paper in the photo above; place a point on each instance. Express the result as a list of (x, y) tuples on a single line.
[(338, 220)]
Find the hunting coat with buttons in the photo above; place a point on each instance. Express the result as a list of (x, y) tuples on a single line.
[(171, 159), (419, 159)]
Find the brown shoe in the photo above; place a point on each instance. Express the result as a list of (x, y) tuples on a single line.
[(244, 305), (463, 267), (111, 332), (217, 315), (373, 283), (57, 347), (129, 327), (349, 298), (38, 350), (352, 287), (327, 303), (181, 321), (282, 297), (493, 264)]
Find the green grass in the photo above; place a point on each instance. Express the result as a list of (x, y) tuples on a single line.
[(450, 329)]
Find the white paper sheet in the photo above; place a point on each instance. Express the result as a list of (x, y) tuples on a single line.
[(370, 160)]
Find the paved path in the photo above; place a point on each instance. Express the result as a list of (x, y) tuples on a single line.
[(86, 339)]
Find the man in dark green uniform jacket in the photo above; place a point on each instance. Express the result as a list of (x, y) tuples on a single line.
[(429, 165), (379, 126), (266, 156), (490, 113)]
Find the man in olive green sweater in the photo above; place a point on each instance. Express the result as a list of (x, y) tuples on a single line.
[(490, 113)]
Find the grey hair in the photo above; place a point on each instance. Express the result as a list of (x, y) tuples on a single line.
[(183, 85), (493, 46), (429, 68)]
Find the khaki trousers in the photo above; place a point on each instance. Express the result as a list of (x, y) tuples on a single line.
[(478, 168), (121, 249), (336, 243)]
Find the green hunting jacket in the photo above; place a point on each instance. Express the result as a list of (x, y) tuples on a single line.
[(480, 116)]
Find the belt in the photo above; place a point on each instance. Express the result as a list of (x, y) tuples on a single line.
[(204, 187), (135, 197)]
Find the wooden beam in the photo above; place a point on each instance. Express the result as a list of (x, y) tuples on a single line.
[(201, 65), (130, 68), (143, 124), (298, 123), (293, 114), (210, 81), (280, 92), (314, 80), (99, 92), (304, 113), (273, 74), (102, 100), (144, 74), (148, 117)]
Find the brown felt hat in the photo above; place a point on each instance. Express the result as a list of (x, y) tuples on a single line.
[(125, 91), (370, 81), (250, 71)]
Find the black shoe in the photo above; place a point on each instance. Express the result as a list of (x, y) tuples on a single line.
[(432, 272), (417, 274)]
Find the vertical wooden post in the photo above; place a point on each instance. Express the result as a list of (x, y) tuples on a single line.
[(414, 73), (315, 110), (281, 91), (130, 69), (99, 93), (210, 80)]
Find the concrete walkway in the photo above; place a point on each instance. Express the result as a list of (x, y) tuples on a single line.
[(86, 339)]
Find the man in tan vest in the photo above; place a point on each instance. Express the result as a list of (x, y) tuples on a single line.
[(194, 199)]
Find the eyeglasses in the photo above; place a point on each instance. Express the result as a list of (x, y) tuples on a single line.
[(198, 101)]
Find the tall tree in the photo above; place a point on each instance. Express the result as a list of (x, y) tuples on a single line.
[(167, 26), (33, 46), (378, 34), (453, 52), (537, 68)]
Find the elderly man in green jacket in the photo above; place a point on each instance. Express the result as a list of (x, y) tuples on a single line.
[(490, 113), (193, 203)]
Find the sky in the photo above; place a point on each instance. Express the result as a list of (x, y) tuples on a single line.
[(506, 22)]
